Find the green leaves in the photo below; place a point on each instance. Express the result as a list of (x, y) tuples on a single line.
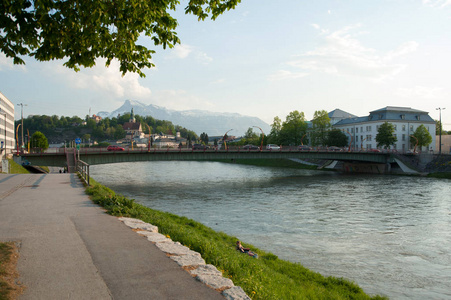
[(386, 135), (83, 31)]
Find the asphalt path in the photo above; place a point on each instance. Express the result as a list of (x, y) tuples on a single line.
[(71, 249)]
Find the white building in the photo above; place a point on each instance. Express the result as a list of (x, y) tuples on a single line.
[(6, 126), (406, 120)]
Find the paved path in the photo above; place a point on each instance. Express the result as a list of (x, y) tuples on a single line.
[(71, 249)]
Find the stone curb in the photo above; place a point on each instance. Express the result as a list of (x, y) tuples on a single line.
[(190, 260)]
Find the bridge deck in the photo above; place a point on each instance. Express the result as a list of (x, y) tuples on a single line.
[(95, 157)]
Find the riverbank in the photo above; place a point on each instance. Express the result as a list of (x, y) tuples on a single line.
[(440, 167), (267, 277)]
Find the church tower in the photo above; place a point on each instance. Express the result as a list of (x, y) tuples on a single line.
[(132, 117)]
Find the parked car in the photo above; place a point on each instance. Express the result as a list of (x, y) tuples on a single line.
[(374, 150), (200, 147), (334, 149), (305, 148), (272, 147), (251, 147), (114, 148)]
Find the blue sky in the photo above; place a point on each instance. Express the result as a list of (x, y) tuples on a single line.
[(267, 58)]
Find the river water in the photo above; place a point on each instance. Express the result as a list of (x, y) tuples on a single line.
[(389, 234)]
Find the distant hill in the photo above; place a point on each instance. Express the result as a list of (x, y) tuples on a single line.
[(212, 123)]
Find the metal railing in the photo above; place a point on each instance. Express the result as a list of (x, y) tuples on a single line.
[(83, 170)]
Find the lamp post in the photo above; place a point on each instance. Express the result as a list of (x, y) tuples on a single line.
[(440, 122), (21, 115), (224, 137), (263, 136), (4, 144)]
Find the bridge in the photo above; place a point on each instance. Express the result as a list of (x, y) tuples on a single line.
[(94, 156)]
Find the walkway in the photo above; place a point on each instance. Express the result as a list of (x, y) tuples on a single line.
[(71, 249)]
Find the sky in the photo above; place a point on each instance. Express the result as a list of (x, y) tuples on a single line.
[(265, 59)]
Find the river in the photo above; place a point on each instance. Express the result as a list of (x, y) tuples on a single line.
[(389, 234)]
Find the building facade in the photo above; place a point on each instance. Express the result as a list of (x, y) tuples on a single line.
[(6, 126), (362, 131)]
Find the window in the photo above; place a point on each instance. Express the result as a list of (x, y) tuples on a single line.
[(403, 137), (403, 117), (403, 146), (352, 130), (396, 127), (403, 127), (394, 146), (357, 130), (357, 138), (411, 128)]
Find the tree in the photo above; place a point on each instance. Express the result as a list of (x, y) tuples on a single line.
[(422, 135), (293, 129), (204, 138), (83, 31), (321, 124), (336, 137), (386, 135), (38, 140), (274, 135), (250, 134)]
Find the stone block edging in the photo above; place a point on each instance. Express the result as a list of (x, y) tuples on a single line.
[(190, 260)]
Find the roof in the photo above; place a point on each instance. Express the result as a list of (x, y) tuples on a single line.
[(131, 126), (398, 109), (340, 114), (391, 113)]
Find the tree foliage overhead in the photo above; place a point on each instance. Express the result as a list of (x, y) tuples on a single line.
[(83, 30), (386, 135)]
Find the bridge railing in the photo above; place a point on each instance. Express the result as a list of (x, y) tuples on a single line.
[(83, 170)]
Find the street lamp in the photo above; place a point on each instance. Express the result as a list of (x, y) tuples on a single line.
[(21, 115), (440, 122), (263, 136), (224, 139), (4, 145)]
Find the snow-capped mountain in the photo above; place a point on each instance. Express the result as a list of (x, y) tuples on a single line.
[(213, 123)]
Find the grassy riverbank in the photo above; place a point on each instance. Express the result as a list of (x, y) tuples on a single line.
[(15, 168), (267, 277)]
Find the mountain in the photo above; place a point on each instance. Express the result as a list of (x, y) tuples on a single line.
[(212, 123)]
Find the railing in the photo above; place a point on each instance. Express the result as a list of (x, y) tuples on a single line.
[(83, 170)]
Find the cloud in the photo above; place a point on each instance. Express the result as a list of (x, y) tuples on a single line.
[(343, 54), (7, 63), (180, 100), (422, 92), (109, 81), (437, 3), (284, 75), (184, 51)]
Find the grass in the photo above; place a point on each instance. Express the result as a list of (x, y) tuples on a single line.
[(267, 277), (8, 288), (15, 168), (280, 163), (444, 175)]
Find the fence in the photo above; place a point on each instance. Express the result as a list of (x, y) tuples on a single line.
[(83, 170)]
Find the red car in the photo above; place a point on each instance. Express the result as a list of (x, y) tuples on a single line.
[(114, 148)]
